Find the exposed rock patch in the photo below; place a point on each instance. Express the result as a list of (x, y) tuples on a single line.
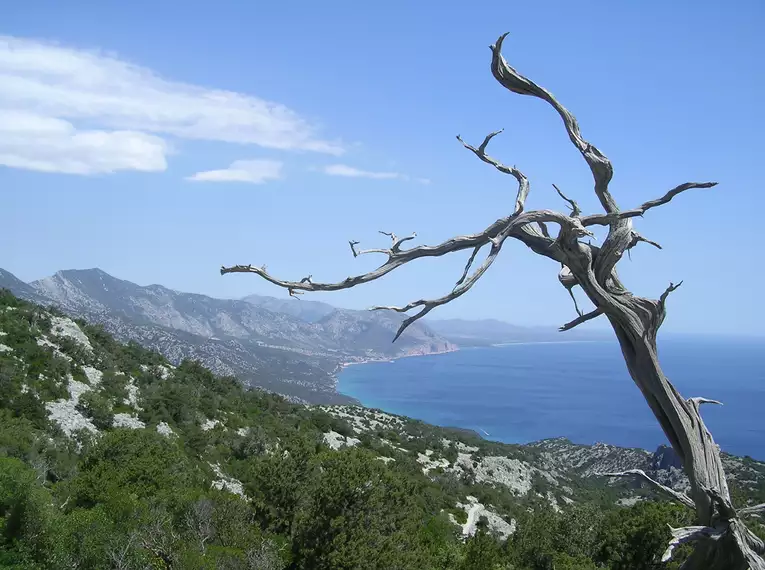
[(335, 440)]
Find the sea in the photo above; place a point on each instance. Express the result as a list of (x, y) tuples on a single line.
[(524, 392)]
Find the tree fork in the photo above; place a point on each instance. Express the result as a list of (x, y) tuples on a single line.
[(721, 539)]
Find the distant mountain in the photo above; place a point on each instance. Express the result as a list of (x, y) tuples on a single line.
[(491, 331), (9, 281), (308, 311), (264, 341)]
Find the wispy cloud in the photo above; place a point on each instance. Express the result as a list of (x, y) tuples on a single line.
[(47, 144), (75, 102), (253, 171), (351, 172)]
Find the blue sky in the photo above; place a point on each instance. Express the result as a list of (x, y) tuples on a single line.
[(160, 140)]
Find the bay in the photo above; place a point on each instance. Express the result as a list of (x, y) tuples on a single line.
[(524, 392)]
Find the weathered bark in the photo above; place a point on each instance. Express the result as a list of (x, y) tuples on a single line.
[(721, 539)]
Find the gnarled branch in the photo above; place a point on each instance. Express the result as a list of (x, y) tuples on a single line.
[(581, 319), (523, 182), (575, 210), (601, 168), (753, 511), (607, 219), (682, 498), (518, 225), (688, 534)]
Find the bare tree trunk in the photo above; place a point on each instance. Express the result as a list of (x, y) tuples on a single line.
[(693, 443), (722, 541)]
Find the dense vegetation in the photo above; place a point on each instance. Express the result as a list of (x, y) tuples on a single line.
[(129, 498)]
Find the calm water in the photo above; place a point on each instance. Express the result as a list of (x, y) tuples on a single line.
[(525, 392)]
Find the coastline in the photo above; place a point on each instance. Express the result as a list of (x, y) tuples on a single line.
[(343, 365), (394, 358)]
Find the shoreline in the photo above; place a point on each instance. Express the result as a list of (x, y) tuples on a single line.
[(342, 365)]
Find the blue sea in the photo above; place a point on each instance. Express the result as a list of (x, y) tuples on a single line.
[(580, 390)]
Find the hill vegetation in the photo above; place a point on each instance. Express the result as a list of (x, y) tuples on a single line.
[(111, 457)]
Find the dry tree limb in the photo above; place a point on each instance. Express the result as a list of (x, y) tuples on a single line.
[(523, 182), (606, 219), (581, 319), (688, 534), (600, 166), (575, 210), (753, 511), (681, 498), (469, 263), (722, 541)]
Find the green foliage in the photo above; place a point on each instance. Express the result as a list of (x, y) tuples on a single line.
[(138, 463), (96, 407), (139, 499), (631, 538)]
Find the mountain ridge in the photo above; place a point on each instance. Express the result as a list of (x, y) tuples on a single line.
[(273, 350), (292, 347)]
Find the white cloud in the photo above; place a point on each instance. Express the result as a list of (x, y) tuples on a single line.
[(35, 142), (87, 107), (252, 171), (351, 172)]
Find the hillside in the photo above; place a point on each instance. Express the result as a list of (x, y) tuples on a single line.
[(262, 343), (112, 457)]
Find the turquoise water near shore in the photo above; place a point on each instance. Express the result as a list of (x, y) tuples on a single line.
[(581, 390)]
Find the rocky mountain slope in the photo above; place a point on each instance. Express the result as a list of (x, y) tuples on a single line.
[(85, 413), (263, 341)]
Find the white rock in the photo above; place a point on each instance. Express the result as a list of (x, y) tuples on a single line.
[(226, 483), (65, 413), (77, 389), (335, 440), (164, 429), (93, 375), (127, 421), (512, 473), (132, 394), (5, 348), (428, 463), (475, 511), (209, 424), (243, 431), (629, 501), (63, 326)]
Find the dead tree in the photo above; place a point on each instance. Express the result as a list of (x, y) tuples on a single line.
[(722, 540)]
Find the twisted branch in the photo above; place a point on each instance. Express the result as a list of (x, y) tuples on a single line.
[(753, 511), (682, 498), (607, 219), (575, 210), (523, 182), (468, 265), (600, 166), (688, 534), (581, 319), (518, 225), (462, 287)]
